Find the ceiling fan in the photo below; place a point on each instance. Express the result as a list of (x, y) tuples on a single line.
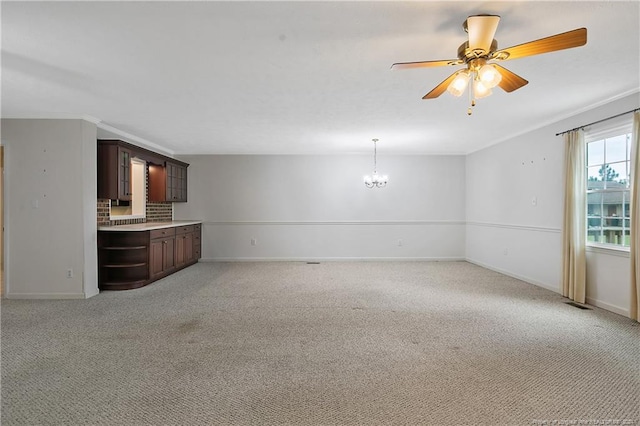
[(478, 54)]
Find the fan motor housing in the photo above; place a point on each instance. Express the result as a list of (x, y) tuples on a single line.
[(467, 54)]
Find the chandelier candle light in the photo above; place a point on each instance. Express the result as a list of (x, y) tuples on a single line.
[(375, 180)]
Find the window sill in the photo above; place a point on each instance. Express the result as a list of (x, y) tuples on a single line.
[(609, 249)]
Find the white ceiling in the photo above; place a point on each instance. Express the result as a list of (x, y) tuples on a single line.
[(303, 77)]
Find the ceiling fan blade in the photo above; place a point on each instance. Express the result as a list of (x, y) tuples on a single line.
[(425, 64), (510, 81), (481, 30), (574, 38), (440, 88)]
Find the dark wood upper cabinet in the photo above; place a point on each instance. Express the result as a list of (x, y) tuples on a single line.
[(124, 173), (167, 177), (114, 172), (176, 182), (168, 182), (157, 189)]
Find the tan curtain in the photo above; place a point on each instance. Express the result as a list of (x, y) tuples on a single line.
[(635, 218), (574, 265)]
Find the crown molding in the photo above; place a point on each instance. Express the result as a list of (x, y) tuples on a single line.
[(51, 116), (127, 137), (558, 119)]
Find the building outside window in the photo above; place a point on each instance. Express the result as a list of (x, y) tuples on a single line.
[(608, 173)]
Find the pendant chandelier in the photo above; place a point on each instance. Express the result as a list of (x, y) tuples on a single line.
[(375, 180)]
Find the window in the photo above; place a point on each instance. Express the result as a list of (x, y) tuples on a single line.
[(608, 173)]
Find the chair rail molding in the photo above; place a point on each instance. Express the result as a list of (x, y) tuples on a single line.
[(514, 226)]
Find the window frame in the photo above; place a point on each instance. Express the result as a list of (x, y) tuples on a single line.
[(608, 130)]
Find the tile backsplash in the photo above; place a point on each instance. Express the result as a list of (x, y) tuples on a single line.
[(160, 211), (156, 212)]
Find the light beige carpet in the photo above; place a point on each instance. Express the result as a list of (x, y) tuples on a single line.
[(413, 343)]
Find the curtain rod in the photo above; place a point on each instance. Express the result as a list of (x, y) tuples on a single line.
[(596, 122)]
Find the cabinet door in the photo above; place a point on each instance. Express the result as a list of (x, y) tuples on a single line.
[(168, 254), (156, 261), (182, 184), (171, 171), (188, 247), (184, 249), (168, 173), (124, 173), (197, 245), (162, 257), (180, 251), (176, 176)]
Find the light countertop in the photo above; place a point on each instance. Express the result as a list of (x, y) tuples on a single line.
[(148, 226)]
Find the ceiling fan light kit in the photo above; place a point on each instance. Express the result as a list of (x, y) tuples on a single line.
[(480, 75), (459, 83), (480, 90), (489, 75)]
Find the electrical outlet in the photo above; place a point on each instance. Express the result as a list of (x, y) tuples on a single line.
[(69, 273), (254, 242), (399, 243), (534, 201), (506, 251)]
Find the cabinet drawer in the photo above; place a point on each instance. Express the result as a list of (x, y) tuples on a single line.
[(197, 227), (184, 229), (161, 233)]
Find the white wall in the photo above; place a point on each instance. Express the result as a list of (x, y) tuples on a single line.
[(50, 207), (608, 280), (507, 231), (316, 207)]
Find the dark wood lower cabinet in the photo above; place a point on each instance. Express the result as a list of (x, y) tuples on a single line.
[(162, 259), (132, 259), (123, 260), (184, 245), (197, 244)]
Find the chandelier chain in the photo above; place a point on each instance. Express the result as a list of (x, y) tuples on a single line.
[(375, 156)]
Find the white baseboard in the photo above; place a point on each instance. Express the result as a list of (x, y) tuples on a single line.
[(332, 259), (45, 296), (591, 301), (607, 306), (93, 292), (529, 280)]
